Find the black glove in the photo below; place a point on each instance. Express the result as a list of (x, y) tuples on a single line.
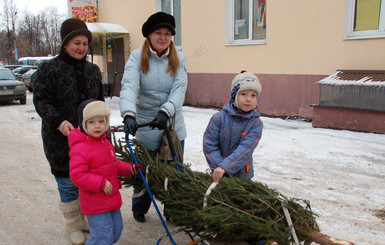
[(130, 125), (160, 120)]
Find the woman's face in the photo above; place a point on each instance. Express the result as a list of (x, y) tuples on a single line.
[(160, 39), (77, 47)]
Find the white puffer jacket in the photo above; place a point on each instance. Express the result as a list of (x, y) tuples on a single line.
[(143, 95)]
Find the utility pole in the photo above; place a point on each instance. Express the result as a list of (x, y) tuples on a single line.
[(14, 38)]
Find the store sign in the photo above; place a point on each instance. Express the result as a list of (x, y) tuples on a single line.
[(86, 10)]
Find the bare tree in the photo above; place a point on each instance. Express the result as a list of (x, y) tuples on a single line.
[(51, 21), (28, 33), (36, 35), (9, 18)]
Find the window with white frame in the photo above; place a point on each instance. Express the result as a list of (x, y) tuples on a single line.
[(245, 21), (172, 7), (365, 19)]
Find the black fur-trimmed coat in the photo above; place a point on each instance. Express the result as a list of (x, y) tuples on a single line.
[(61, 84)]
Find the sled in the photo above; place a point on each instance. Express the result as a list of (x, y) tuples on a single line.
[(312, 235), (168, 234), (200, 240)]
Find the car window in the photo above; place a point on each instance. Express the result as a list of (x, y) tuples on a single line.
[(30, 72), (18, 70), (6, 74)]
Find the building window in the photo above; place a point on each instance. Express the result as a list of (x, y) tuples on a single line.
[(173, 7), (365, 19), (245, 21)]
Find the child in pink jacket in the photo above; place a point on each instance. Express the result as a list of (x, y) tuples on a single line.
[(94, 170)]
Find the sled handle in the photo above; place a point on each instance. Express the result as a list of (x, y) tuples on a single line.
[(148, 190), (144, 124)]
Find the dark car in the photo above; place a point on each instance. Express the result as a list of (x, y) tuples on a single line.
[(26, 78), (21, 70), (10, 88)]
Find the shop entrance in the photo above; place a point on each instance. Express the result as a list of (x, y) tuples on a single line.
[(115, 64)]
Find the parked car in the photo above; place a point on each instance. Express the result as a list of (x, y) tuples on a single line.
[(21, 70), (10, 88), (11, 67), (26, 78)]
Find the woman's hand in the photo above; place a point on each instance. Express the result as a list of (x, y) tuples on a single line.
[(160, 120), (65, 128), (108, 188), (218, 173), (130, 125)]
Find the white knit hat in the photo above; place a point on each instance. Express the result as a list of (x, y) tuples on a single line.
[(244, 81)]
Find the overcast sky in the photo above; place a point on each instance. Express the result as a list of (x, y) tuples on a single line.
[(35, 6)]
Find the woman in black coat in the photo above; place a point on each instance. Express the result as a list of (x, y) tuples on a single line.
[(61, 84)]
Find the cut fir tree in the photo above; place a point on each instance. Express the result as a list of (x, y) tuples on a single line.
[(236, 209)]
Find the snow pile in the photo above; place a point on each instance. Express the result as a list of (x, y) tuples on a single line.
[(334, 79)]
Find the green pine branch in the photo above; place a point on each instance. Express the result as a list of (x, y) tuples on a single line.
[(237, 208)]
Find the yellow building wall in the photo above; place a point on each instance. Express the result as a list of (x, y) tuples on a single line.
[(303, 37), (131, 14)]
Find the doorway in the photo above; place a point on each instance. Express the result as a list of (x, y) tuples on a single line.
[(115, 64)]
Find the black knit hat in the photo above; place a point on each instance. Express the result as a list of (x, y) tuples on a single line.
[(73, 27), (92, 108), (158, 20)]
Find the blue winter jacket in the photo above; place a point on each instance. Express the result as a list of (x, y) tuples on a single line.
[(230, 139), (143, 95)]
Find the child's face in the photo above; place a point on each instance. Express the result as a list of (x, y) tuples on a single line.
[(247, 100), (96, 126)]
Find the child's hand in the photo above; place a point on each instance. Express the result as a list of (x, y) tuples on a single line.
[(218, 173), (108, 188), (138, 166), (135, 168)]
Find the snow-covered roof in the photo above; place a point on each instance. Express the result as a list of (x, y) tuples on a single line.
[(355, 78), (103, 28), (44, 58)]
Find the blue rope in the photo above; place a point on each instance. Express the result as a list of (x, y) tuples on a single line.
[(157, 242), (149, 192)]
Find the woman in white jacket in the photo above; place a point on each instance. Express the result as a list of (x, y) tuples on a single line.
[(153, 90)]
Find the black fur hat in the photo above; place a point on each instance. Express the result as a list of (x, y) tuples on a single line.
[(158, 20), (73, 27)]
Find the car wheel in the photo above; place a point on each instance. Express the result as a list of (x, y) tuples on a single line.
[(23, 101)]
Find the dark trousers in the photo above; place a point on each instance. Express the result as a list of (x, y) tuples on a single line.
[(141, 204)]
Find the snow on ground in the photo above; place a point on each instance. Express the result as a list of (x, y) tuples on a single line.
[(341, 173)]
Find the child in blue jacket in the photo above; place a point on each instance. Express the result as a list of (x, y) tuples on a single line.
[(233, 133)]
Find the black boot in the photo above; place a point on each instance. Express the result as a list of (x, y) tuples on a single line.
[(140, 217)]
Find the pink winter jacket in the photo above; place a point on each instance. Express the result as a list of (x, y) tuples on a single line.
[(92, 162)]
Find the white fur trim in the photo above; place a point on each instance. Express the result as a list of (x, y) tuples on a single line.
[(60, 128)]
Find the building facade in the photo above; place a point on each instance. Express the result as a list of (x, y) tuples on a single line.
[(289, 45)]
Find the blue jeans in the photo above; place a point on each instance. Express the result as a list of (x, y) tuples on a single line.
[(67, 190), (141, 205), (105, 228)]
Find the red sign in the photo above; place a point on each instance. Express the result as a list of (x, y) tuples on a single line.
[(85, 10)]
